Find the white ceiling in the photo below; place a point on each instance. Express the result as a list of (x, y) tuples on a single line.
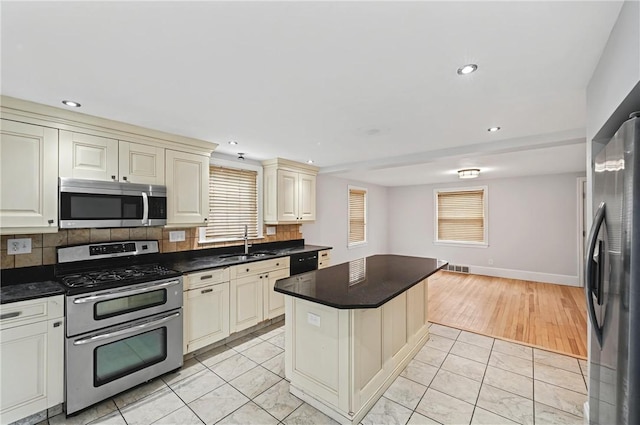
[(368, 90)]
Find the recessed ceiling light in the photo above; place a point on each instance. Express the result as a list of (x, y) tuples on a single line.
[(467, 69), (310, 161), (233, 142), (493, 129), (71, 103)]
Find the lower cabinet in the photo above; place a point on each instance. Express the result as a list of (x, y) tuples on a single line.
[(206, 308), (253, 299), (31, 356), (324, 259)]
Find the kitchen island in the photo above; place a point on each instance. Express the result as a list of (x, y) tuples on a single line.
[(351, 329)]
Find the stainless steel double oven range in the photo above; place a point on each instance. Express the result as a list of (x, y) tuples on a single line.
[(123, 319)]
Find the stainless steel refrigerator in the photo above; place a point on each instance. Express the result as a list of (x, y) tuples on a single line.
[(613, 281)]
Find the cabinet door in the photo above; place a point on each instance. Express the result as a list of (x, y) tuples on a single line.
[(307, 197), (246, 302), (88, 157), (287, 196), (273, 301), (187, 188), (206, 315), (141, 163), (28, 177), (32, 363)]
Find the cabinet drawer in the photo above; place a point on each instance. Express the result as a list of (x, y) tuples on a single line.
[(31, 311), (324, 258), (207, 277), (258, 267)]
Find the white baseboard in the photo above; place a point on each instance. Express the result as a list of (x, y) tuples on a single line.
[(560, 279)]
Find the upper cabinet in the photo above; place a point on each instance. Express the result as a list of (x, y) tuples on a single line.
[(289, 191), (83, 156), (187, 188), (41, 143), (28, 178)]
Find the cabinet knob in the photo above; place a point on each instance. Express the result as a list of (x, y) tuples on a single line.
[(260, 277), (57, 324), (113, 177), (50, 221), (124, 178), (266, 276), (247, 269), (277, 264), (205, 219)]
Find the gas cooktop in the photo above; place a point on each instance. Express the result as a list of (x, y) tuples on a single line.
[(94, 267)]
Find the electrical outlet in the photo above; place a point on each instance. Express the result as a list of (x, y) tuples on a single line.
[(271, 230), (176, 236), (18, 246)]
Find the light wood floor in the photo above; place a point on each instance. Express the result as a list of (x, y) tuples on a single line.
[(544, 315)]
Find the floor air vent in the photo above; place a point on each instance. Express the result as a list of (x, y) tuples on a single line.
[(459, 269)]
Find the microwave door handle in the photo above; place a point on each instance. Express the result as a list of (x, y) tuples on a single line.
[(145, 208), (125, 331)]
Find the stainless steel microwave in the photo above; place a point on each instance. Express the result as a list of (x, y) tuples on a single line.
[(94, 203)]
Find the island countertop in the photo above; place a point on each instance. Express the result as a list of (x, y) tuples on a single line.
[(364, 283)]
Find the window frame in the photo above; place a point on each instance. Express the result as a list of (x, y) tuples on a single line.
[(468, 244), (220, 162), (366, 213)]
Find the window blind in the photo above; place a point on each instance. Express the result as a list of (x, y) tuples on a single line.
[(461, 216), (357, 216), (233, 203)]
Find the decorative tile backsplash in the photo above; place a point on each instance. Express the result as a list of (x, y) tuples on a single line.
[(43, 246)]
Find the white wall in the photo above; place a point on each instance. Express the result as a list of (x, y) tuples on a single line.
[(532, 228), (330, 227)]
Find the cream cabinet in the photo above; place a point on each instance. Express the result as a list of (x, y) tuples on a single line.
[(289, 192), (187, 178), (206, 308), (324, 259), (32, 357), (252, 297), (84, 156), (342, 360), (28, 178)]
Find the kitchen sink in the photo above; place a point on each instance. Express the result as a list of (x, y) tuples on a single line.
[(236, 257), (262, 254)]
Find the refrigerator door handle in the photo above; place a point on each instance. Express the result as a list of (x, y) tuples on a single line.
[(593, 272)]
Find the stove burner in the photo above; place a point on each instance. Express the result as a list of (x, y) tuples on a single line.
[(95, 278)]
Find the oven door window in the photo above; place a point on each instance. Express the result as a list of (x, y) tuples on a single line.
[(123, 305), (128, 355), (86, 206)]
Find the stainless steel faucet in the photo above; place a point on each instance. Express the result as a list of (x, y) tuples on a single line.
[(246, 239)]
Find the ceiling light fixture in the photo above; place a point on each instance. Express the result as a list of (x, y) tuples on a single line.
[(71, 103), (493, 129), (467, 69), (469, 173), (233, 142), (310, 161)]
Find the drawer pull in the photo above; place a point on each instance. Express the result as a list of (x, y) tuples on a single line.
[(325, 254), (247, 269), (10, 315), (204, 291), (57, 324), (207, 276)]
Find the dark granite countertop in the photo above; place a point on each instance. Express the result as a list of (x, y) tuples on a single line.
[(29, 291), (205, 262), (365, 283)]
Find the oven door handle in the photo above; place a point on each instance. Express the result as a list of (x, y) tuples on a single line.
[(145, 208), (133, 329), (117, 294)]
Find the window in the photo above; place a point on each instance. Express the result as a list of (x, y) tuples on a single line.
[(357, 216), (461, 216), (234, 200)]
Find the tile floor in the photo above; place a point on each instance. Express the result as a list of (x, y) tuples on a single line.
[(456, 378)]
